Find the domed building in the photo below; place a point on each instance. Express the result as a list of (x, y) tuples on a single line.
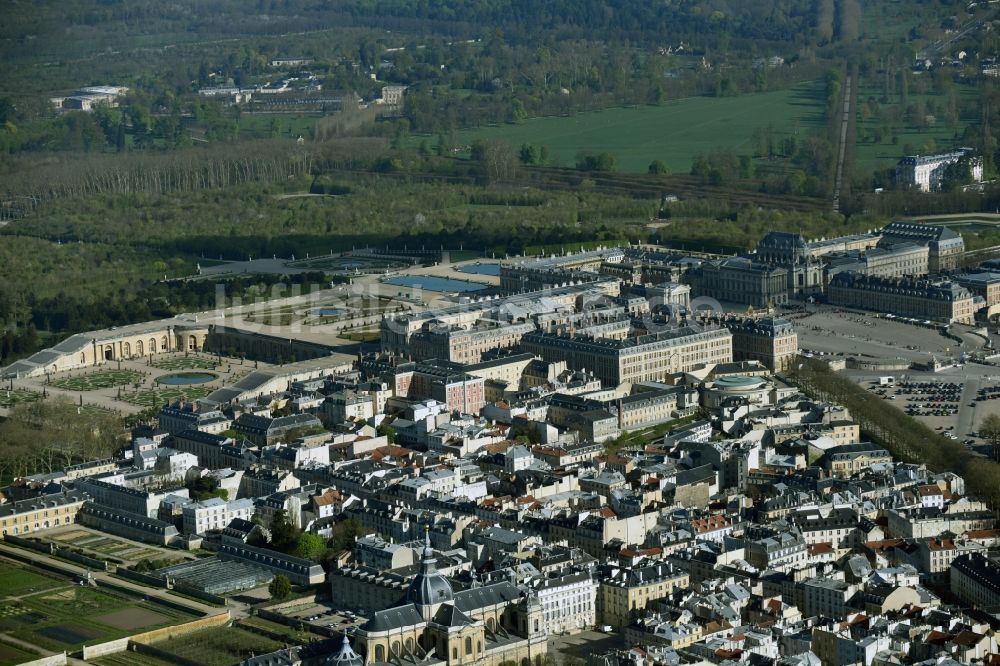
[(346, 656), (436, 625), (430, 588), (733, 390)]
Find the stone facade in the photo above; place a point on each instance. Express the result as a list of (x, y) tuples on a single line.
[(741, 280), (940, 300), (650, 357), (770, 340)]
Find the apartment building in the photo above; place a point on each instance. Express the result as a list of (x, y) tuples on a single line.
[(624, 593), (770, 340), (975, 579), (568, 600), (214, 514)]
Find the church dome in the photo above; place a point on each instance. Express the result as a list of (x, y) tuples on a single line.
[(429, 587), (346, 656)]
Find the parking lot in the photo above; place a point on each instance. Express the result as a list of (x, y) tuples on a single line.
[(832, 331), (953, 402), (324, 614)]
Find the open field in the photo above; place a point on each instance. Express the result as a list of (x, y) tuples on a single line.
[(219, 646), (10, 655), (98, 380), (290, 125), (934, 137), (56, 614), (15, 580), (674, 132)]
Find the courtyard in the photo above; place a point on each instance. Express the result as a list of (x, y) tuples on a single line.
[(847, 333), (132, 385)]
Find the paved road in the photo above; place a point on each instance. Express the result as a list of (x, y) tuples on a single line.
[(967, 408), (844, 124)]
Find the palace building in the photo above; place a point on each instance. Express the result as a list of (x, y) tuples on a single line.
[(117, 343)]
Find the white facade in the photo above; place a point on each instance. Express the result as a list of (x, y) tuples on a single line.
[(926, 171), (568, 602), (214, 514)]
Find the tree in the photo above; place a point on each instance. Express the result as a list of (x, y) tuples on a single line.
[(989, 430), (345, 533), (280, 588), (498, 158), (587, 161), (956, 175), (388, 431), (309, 547), (284, 535), (518, 114), (532, 154), (206, 487), (658, 168)]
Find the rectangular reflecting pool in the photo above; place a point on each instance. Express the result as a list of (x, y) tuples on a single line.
[(433, 283)]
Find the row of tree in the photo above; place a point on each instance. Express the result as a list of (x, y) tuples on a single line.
[(906, 438), (48, 435)]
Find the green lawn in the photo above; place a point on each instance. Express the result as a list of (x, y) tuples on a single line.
[(464, 255), (289, 125), (15, 580), (10, 655), (674, 132), (98, 380)]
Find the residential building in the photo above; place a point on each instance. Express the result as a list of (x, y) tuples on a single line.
[(214, 514), (975, 579), (624, 593), (770, 340), (568, 600)]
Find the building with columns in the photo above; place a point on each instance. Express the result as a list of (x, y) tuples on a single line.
[(94, 348)]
